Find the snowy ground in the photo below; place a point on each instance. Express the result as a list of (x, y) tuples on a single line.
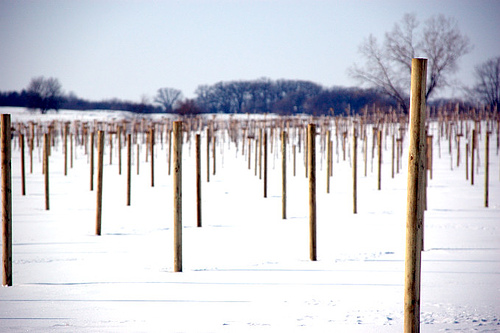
[(246, 269)]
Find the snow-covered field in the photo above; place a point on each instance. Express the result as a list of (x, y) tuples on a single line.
[(246, 269)]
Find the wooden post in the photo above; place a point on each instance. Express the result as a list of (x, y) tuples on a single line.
[(65, 149), (328, 160), (208, 154), (110, 148), (119, 137), (392, 157), (152, 151), (46, 145), (294, 159), (129, 166), (379, 151), (264, 148), (355, 172), (311, 161), (486, 168), (283, 175), (6, 200), (138, 162), (466, 161), (71, 150), (365, 152), (214, 149), (100, 156), (23, 174), (260, 153), (198, 180), (92, 161), (473, 148), (170, 151), (429, 155), (415, 211), (249, 153), (177, 196)]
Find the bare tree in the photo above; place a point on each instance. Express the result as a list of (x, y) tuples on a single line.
[(487, 88), (167, 97), (388, 67), (44, 94)]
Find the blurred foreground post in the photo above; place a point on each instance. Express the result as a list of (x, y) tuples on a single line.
[(177, 196), (6, 200), (311, 162), (100, 156), (415, 209)]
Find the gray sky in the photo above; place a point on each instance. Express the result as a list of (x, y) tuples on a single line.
[(126, 49)]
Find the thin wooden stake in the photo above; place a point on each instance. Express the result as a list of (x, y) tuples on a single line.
[(23, 174), (355, 172), (379, 151), (100, 157), (264, 152), (92, 161), (129, 167), (208, 154), (152, 152), (5, 139), (473, 148), (46, 151), (283, 175), (311, 162), (486, 169), (177, 196), (198, 180), (415, 211)]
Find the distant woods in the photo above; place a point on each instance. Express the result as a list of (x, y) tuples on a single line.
[(264, 95)]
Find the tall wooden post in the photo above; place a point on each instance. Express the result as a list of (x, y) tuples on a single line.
[(129, 166), (392, 157), (311, 162), (198, 180), (214, 149), (65, 149), (415, 209), (119, 137), (466, 161), (379, 151), (92, 161), (23, 173), (328, 160), (473, 148), (100, 157), (208, 154), (283, 175), (138, 162), (152, 152), (355, 172), (46, 151), (264, 152), (177, 196), (486, 168), (5, 141)]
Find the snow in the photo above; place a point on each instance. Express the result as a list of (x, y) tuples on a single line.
[(246, 269)]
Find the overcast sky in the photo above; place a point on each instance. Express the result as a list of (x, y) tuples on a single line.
[(126, 49)]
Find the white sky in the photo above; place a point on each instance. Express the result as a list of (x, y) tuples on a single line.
[(125, 49)]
